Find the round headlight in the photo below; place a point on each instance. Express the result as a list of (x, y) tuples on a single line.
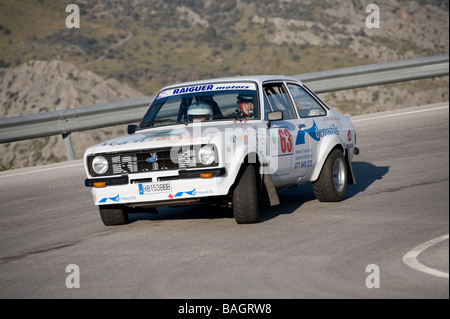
[(100, 165), (206, 155)]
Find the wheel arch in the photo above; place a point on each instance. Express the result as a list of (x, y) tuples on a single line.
[(250, 159), (323, 154)]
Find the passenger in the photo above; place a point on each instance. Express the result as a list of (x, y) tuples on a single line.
[(200, 111)]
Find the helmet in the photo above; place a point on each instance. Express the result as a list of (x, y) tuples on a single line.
[(245, 99), (200, 109)]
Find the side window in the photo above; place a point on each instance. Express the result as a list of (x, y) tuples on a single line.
[(306, 105), (279, 99)]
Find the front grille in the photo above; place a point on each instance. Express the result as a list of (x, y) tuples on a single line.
[(149, 161)]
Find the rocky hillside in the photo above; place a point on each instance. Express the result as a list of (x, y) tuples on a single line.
[(41, 86), (126, 49), (150, 44)]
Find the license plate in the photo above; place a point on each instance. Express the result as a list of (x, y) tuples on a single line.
[(151, 188)]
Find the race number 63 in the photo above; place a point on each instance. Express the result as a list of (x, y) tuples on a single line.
[(285, 140)]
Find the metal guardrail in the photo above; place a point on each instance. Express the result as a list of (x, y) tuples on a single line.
[(377, 74), (64, 122)]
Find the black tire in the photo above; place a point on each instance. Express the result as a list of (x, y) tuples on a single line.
[(245, 198), (263, 196), (112, 215), (332, 182)]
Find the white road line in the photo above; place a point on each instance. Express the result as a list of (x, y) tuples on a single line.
[(41, 170), (400, 114), (410, 258)]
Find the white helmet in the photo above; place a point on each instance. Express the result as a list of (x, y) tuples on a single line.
[(200, 109)]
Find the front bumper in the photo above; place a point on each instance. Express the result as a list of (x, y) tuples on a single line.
[(187, 186), (109, 181)]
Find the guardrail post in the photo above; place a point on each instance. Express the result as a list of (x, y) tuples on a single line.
[(69, 146)]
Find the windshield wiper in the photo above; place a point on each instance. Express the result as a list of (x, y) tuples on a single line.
[(157, 121)]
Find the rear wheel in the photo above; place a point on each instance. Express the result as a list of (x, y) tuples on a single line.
[(245, 198), (113, 215), (332, 182)]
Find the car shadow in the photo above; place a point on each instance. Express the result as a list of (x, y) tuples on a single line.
[(290, 199), (365, 174), (197, 211)]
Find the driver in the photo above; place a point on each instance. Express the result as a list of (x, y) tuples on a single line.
[(245, 103), (200, 111)]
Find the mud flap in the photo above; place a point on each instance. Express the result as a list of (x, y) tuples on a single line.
[(351, 177), (271, 190)]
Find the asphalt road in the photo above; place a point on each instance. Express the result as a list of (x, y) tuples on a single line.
[(300, 249)]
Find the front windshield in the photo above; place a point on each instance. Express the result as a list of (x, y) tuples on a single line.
[(208, 102)]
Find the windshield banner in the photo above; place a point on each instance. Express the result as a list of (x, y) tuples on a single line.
[(207, 88)]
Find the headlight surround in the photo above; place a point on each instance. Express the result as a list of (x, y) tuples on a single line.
[(100, 165), (206, 155)]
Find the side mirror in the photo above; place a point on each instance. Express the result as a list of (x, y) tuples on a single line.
[(132, 128), (274, 116)]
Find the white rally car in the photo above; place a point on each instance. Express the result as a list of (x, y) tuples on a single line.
[(230, 142)]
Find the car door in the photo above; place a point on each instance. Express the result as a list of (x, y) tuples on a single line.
[(312, 115), (282, 134)]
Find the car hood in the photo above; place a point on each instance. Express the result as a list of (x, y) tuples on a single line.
[(171, 135)]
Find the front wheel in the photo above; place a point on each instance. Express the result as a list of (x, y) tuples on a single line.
[(332, 182), (113, 215), (245, 198)]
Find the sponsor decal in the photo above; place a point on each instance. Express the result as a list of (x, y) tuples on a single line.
[(331, 118), (303, 164), (190, 193), (316, 133), (193, 192), (207, 88), (116, 199), (171, 136), (197, 88)]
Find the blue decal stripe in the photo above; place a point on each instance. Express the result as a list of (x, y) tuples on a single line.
[(315, 133), (300, 138)]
